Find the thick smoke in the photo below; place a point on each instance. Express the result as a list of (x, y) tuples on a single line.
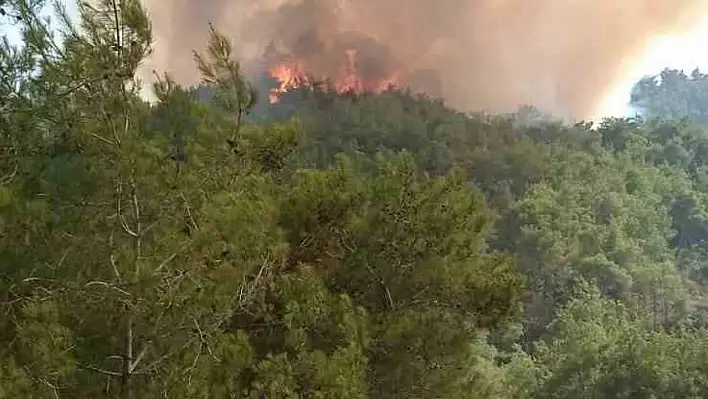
[(560, 55)]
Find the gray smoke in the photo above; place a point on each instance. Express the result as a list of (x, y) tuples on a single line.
[(560, 55)]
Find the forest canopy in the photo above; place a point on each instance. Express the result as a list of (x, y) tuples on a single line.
[(672, 94), (211, 245)]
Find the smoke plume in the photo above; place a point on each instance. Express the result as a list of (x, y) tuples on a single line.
[(559, 55)]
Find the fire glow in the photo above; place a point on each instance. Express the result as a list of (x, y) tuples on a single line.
[(294, 74)]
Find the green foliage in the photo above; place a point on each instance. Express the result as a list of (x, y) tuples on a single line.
[(409, 250), (232, 93), (672, 94), (600, 350), (333, 246)]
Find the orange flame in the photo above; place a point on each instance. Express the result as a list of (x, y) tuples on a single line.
[(294, 74), (290, 76)]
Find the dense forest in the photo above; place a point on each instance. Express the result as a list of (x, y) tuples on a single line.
[(213, 245)]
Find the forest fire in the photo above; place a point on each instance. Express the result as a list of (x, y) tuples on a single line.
[(289, 76), (492, 55), (347, 77)]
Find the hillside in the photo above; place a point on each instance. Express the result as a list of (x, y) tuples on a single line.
[(213, 245)]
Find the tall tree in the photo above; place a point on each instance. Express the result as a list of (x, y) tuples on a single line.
[(672, 94)]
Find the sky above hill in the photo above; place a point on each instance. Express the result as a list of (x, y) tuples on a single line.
[(686, 51)]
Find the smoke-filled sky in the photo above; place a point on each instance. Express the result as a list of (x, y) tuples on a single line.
[(684, 51), (561, 55), (577, 58)]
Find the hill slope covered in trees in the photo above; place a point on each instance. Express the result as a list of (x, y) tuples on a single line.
[(332, 246)]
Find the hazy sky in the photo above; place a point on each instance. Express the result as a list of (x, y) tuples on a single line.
[(686, 51), (7, 29)]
